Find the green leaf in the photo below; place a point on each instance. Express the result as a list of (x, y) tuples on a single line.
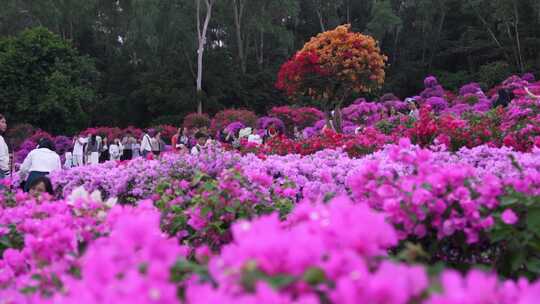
[(500, 234), (533, 220), (533, 265), (508, 201), (518, 258), (205, 211), (314, 276), (280, 281)]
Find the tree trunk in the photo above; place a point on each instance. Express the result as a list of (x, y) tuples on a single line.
[(261, 49), (238, 8), (435, 45), (491, 33), (514, 48), (201, 35), (348, 11), (518, 40), (321, 21)]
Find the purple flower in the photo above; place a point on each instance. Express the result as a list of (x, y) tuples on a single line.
[(509, 217), (234, 127), (265, 122), (529, 77), (430, 82), (471, 88), (438, 104)]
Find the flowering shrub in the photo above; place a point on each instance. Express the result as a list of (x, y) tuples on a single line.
[(247, 221), (334, 63), (364, 113), (201, 210), (302, 117), (226, 117), (131, 264), (331, 218), (167, 132), (196, 120), (264, 123), (30, 144), (103, 132), (18, 133), (234, 127), (432, 88)]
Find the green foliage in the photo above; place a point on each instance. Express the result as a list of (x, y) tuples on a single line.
[(493, 73), (383, 19), (13, 239), (519, 244), (218, 203), (45, 82)]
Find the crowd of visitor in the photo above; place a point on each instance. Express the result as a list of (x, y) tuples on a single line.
[(91, 149)]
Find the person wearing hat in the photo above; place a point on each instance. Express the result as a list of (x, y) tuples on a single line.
[(39, 162)]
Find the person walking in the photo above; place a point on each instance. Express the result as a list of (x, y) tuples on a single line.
[(146, 144), (4, 150), (39, 162)]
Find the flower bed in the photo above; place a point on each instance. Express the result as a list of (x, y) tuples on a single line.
[(245, 224)]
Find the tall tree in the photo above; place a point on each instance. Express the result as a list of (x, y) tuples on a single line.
[(44, 81), (202, 31)]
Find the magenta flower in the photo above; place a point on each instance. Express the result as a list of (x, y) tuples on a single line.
[(509, 217)]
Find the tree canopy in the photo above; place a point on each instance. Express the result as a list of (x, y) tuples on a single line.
[(145, 51), (45, 82)]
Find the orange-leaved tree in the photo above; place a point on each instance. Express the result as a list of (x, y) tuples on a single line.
[(332, 66)]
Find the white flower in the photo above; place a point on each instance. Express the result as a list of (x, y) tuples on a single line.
[(111, 202), (96, 196), (77, 193)]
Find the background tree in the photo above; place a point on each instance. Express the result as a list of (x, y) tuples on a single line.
[(146, 50), (202, 32), (45, 82), (332, 66)]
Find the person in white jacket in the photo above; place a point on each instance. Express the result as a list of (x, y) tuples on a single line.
[(40, 162), (255, 138), (4, 151)]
